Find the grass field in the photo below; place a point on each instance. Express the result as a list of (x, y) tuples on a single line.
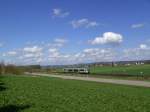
[(130, 70), (43, 94)]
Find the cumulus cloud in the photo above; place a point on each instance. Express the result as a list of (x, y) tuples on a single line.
[(47, 53), (52, 55), (143, 46), (32, 49), (9, 54), (12, 53), (24, 56), (97, 54), (32, 52), (107, 38), (139, 25), (60, 40), (56, 57), (92, 55), (83, 23), (87, 55), (139, 53), (32, 55), (59, 13)]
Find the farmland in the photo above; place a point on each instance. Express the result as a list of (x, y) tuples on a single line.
[(130, 70), (43, 94)]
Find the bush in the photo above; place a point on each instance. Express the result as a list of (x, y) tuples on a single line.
[(18, 70), (12, 69)]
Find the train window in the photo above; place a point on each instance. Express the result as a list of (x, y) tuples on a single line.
[(82, 70), (75, 70), (70, 70)]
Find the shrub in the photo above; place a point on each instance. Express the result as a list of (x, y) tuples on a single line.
[(12, 69)]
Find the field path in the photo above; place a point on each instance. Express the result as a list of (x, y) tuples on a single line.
[(102, 80)]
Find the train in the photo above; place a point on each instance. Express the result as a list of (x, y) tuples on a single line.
[(77, 70)]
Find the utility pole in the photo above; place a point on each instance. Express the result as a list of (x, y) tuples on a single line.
[(112, 64)]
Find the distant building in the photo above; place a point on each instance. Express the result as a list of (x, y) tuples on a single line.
[(128, 64), (139, 63)]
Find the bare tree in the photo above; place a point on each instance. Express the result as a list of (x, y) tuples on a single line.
[(2, 67)]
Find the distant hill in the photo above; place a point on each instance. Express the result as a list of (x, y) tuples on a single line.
[(100, 64)]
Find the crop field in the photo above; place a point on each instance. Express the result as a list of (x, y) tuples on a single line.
[(43, 94), (129, 70)]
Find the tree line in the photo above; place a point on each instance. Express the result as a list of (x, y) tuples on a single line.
[(18, 70)]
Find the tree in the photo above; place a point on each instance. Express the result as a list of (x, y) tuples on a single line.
[(2, 67)]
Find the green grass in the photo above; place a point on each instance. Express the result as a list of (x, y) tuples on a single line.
[(43, 94), (130, 70)]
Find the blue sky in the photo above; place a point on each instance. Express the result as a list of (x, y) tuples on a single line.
[(74, 31)]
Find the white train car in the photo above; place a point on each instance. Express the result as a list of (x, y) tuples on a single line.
[(76, 70)]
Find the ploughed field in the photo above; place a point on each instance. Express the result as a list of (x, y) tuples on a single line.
[(45, 94), (122, 70)]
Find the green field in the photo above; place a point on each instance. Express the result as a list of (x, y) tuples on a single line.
[(43, 94), (129, 70)]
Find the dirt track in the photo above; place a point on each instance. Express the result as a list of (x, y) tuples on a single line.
[(103, 80)]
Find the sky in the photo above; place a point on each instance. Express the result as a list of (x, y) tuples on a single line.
[(60, 32)]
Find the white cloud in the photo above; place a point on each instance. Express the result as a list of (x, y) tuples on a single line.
[(32, 49), (59, 13), (95, 55), (32, 55), (56, 57), (60, 40), (143, 46), (9, 53), (83, 23), (55, 45), (47, 53), (87, 55), (39, 60), (53, 53), (53, 50), (140, 25), (140, 53), (12, 53), (108, 38), (92, 24)]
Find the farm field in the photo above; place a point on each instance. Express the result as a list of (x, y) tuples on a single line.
[(43, 94), (128, 70)]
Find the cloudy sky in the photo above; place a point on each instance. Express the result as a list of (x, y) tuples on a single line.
[(73, 31)]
